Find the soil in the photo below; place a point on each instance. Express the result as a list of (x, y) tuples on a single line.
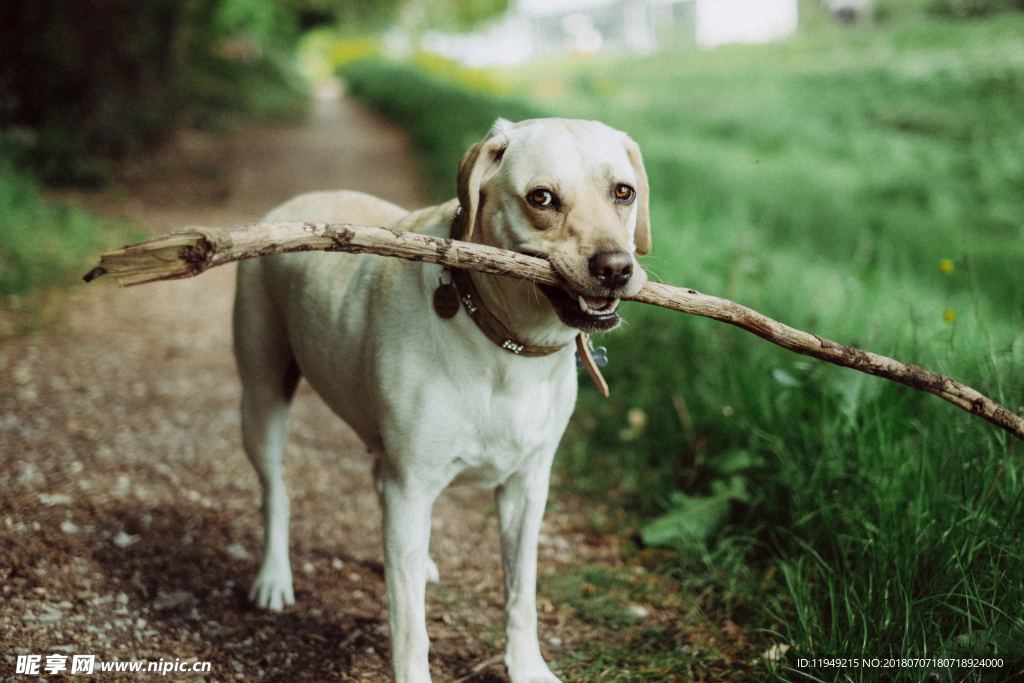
[(129, 522)]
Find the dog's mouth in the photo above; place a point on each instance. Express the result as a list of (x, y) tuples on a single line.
[(583, 311)]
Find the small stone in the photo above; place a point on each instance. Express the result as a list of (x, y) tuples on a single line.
[(69, 527), (307, 568), (172, 600), (51, 499), (238, 551), (123, 540), (28, 474)]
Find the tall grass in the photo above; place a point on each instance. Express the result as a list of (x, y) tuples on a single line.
[(867, 187)]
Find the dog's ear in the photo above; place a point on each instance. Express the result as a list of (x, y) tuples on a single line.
[(643, 198), (477, 165)]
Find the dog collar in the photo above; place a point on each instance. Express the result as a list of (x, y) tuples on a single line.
[(492, 327), (462, 290)]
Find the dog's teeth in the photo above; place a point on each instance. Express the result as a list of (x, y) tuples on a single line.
[(583, 304)]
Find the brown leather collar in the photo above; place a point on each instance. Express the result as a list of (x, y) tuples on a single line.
[(493, 328), (491, 325), (488, 323)]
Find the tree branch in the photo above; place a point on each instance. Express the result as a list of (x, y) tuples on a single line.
[(190, 252)]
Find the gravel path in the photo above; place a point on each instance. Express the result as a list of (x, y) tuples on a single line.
[(129, 523)]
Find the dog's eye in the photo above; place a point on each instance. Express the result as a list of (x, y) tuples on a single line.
[(542, 198), (624, 193)]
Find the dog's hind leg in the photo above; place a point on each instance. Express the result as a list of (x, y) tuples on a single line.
[(269, 376)]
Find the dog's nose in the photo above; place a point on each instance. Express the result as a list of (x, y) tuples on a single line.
[(612, 268)]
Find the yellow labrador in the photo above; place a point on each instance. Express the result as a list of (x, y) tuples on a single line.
[(446, 375)]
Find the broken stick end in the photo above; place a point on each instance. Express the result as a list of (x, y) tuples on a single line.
[(94, 273)]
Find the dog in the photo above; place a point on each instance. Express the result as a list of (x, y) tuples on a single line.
[(448, 377)]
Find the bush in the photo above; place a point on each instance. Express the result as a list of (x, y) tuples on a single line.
[(43, 244)]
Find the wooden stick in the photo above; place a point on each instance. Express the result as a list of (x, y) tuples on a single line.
[(190, 252)]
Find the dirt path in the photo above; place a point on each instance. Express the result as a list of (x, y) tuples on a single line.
[(129, 523)]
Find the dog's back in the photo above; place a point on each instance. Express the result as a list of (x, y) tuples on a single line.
[(268, 360)]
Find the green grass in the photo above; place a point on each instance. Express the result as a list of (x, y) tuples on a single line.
[(824, 182), (44, 244), (676, 644)]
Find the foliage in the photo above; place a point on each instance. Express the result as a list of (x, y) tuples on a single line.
[(457, 116), (691, 520), (359, 17), (618, 601), (973, 8), (43, 244), (461, 14), (863, 185), (75, 81), (834, 187)]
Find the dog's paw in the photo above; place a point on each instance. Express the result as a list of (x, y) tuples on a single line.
[(530, 671), (433, 574), (536, 677), (272, 588)]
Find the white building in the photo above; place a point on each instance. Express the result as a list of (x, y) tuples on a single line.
[(547, 28)]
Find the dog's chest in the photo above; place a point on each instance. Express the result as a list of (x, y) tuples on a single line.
[(481, 424), (512, 427)]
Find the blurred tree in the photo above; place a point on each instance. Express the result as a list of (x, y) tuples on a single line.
[(112, 76), (81, 80)]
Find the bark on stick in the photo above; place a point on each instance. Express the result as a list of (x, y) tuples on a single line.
[(192, 251)]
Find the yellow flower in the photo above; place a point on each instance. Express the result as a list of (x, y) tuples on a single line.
[(636, 418), (946, 266), (949, 315)]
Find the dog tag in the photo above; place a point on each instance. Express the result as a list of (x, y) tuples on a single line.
[(584, 358), (446, 300), (598, 353)]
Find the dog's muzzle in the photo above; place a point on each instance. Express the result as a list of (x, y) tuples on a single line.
[(585, 312), (593, 306)]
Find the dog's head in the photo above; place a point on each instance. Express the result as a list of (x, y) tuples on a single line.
[(573, 192)]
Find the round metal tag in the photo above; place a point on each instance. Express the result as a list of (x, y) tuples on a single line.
[(446, 300)]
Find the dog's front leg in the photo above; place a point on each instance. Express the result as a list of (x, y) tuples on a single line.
[(406, 541), (521, 502)]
